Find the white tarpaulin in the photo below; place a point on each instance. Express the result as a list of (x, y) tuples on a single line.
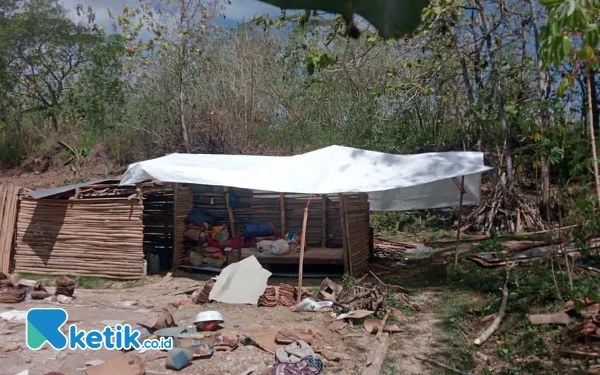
[(394, 182)]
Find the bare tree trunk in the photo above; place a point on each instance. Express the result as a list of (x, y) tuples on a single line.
[(590, 118), (500, 100), (184, 132), (542, 78)]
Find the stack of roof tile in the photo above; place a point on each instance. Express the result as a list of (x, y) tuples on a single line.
[(287, 295), (65, 286), (203, 297), (269, 297), (10, 295)]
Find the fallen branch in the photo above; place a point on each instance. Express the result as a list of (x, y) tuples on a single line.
[(440, 364), (498, 319), (395, 288), (579, 354)]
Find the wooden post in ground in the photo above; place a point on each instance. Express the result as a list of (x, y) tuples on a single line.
[(282, 213), (230, 212), (345, 246), (461, 187), (302, 242), (175, 226), (324, 220)]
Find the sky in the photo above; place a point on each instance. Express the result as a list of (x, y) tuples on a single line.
[(239, 10)]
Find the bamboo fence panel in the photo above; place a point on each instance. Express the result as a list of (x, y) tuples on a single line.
[(9, 202), (82, 237), (356, 208)]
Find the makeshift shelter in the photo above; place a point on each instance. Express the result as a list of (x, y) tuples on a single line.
[(357, 180)]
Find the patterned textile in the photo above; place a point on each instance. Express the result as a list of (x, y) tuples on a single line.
[(304, 367)]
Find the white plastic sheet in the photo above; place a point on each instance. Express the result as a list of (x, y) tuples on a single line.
[(394, 182)]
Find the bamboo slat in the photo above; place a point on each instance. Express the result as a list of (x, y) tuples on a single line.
[(86, 237)]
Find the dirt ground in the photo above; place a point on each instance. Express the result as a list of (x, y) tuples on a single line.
[(134, 304), (50, 171)]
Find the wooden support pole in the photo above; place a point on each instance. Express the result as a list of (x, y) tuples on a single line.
[(324, 233), (175, 225), (302, 242), (461, 188), (283, 218), (348, 235), (345, 246), (230, 212)]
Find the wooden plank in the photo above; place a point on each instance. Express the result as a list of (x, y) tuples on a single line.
[(8, 217)]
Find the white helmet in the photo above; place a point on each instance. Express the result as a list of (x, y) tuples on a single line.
[(208, 316)]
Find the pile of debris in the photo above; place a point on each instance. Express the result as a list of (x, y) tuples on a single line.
[(366, 297), (13, 289), (527, 251), (284, 295), (587, 334), (582, 339)]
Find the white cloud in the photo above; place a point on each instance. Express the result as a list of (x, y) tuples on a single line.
[(241, 10)]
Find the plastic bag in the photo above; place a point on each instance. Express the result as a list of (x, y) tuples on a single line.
[(308, 304), (280, 247), (264, 246)]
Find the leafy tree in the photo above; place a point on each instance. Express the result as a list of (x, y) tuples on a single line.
[(571, 36)]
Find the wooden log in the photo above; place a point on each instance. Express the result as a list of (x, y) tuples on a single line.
[(498, 319), (380, 352)]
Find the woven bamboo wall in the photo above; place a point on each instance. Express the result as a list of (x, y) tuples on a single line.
[(356, 221), (8, 217), (266, 206), (85, 237)]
